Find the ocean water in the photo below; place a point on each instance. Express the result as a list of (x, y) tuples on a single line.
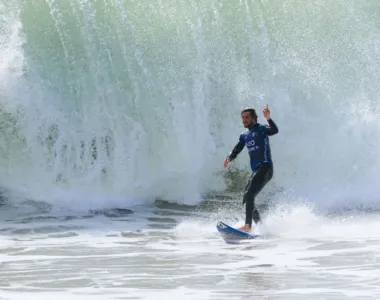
[(115, 118), (169, 253)]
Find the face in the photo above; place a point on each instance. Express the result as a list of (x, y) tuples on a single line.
[(247, 119)]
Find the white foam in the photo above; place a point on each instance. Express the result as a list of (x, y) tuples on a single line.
[(163, 121)]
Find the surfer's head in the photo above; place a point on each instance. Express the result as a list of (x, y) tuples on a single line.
[(248, 117)]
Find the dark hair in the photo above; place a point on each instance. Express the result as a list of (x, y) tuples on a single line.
[(251, 111)]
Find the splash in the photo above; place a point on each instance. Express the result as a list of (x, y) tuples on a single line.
[(126, 101)]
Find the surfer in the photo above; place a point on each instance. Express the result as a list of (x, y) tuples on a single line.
[(256, 139)]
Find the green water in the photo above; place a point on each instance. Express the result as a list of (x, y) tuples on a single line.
[(141, 99)]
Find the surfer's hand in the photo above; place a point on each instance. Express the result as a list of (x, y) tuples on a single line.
[(226, 162), (266, 112)]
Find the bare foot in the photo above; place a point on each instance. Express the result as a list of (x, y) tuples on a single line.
[(245, 228)]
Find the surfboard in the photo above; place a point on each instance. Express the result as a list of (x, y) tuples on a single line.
[(230, 234)]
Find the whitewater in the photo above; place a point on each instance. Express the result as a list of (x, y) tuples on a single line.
[(115, 119)]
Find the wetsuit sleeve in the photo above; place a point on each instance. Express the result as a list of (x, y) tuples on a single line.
[(237, 149), (272, 128)]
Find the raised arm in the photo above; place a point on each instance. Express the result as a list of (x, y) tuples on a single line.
[(272, 128)]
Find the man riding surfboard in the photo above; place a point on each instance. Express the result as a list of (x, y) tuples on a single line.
[(256, 139)]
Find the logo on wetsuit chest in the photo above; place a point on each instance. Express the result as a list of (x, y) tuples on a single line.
[(251, 145)]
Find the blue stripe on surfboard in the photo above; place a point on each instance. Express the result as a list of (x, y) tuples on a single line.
[(228, 232)]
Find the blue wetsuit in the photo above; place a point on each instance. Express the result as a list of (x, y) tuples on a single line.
[(256, 139)]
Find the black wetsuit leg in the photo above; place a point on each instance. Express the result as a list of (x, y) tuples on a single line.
[(255, 184)]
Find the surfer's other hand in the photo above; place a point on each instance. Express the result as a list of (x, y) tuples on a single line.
[(226, 162), (266, 112)]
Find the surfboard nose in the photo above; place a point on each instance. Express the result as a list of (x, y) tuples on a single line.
[(221, 224)]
